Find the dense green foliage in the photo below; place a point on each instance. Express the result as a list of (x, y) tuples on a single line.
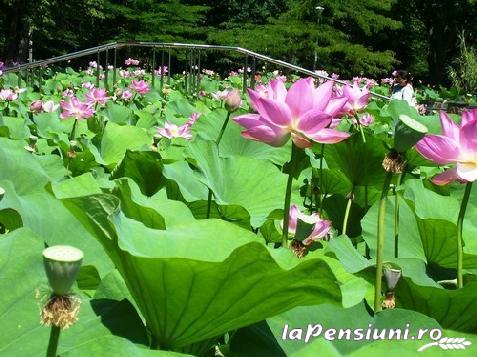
[(368, 37)]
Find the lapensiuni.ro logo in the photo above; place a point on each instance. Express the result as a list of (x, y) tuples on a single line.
[(370, 333)]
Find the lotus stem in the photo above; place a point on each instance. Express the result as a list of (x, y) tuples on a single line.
[(396, 223), (322, 153), (366, 246), (380, 243), (347, 212), (360, 127), (460, 221), (222, 130), (286, 208), (53, 342)]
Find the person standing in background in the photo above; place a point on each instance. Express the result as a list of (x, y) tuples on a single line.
[(402, 88)]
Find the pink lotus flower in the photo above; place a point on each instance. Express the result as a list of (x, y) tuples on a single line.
[(233, 101), (74, 108), (69, 93), (49, 106), (161, 70), (96, 95), (36, 106), (303, 113), (193, 118), (220, 95), (8, 94), (233, 74), (124, 74), (335, 76), (171, 130), (131, 62), (126, 95), (87, 85), (140, 86), (357, 97), (320, 230), (457, 145), (366, 120)]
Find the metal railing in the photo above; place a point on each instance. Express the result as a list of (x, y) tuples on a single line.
[(193, 58)]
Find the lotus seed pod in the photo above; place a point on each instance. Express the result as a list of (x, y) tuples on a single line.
[(62, 264), (408, 132), (392, 277)]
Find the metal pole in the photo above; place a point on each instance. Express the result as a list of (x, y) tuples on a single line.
[(98, 58), (198, 75), (153, 66), (245, 75), (114, 65), (169, 69), (162, 68), (254, 72), (106, 70)]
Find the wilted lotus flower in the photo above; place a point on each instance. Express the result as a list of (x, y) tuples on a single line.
[(303, 113), (320, 230), (233, 101), (8, 94), (140, 86), (357, 98), (36, 106), (171, 130), (457, 145), (96, 95), (74, 108), (49, 106)]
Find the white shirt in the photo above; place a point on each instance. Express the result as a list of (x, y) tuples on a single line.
[(404, 93)]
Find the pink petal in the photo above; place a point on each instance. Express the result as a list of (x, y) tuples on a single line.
[(468, 138), (267, 135), (293, 219), (322, 96), (255, 100), (468, 116), (277, 112), (329, 136), (447, 176), (440, 149), (248, 120), (449, 128), (335, 106), (300, 97), (313, 121), (300, 141), (279, 90)]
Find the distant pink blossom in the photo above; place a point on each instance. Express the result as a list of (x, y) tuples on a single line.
[(357, 97), (387, 81), (69, 93), (126, 95), (131, 62), (281, 78), (8, 94), (161, 71), (321, 226), (96, 96), (124, 73), (366, 120), (208, 72), (220, 95), (36, 106), (140, 86), (171, 130), (50, 106), (193, 118), (87, 85), (335, 76), (74, 108), (233, 74)]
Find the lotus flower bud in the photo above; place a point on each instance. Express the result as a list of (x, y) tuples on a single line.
[(36, 106), (62, 264), (233, 101)]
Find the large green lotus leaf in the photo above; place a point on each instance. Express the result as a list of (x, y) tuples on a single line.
[(145, 168), (357, 317), (256, 185), (102, 320), (118, 114), (233, 144), (16, 127), (26, 178), (410, 245), (453, 309), (201, 279), (117, 139), (431, 205), (360, 162)]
